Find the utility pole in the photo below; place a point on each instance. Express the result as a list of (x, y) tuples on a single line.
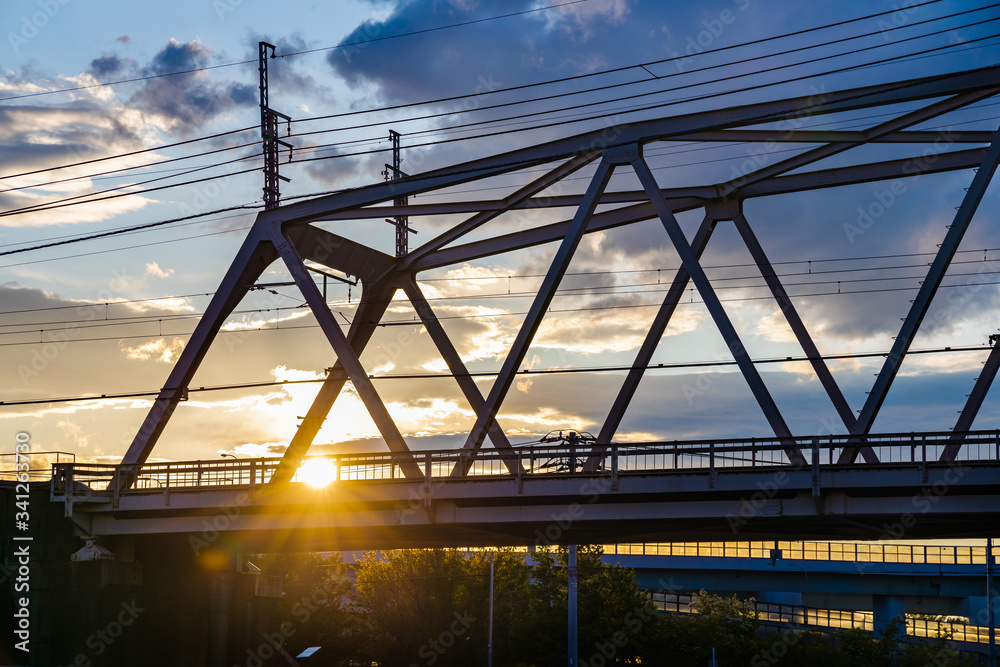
[(489, 642), (991, 600), (571, 604), (269, 133), (392, 173)]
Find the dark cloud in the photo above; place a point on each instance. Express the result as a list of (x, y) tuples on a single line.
[(188, 97), (107, 67), (441, 62), (288, 76), (124, 39)]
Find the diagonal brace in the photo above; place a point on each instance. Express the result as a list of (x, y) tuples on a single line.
[(794, 321), (461, 373), (348, 359), (714, 306), (533, 320), (649, 344), (975, 401), (928, 288)]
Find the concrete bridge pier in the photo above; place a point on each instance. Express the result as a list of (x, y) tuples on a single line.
[(146, 600), (886, 609)]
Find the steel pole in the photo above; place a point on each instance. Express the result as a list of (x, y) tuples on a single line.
[(571, 604), (489, 643), (990, 603)]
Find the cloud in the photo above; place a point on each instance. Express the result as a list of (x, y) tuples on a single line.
[(153, 269), (158, 350), (108, 67), (186, 99)]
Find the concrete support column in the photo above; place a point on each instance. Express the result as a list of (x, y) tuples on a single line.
[(886, 609)]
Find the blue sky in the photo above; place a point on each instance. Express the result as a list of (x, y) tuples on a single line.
[(53, 46)]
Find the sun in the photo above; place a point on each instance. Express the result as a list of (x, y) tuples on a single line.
[(317, 473)]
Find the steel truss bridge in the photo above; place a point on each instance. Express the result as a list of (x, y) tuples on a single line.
[(713, 490), (852, 485)]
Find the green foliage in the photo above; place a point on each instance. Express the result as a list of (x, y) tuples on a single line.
[(314, 609), (615, 619), (432, 606), (728, 625)]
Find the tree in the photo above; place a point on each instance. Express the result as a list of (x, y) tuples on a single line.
[(615, 618), (728, 625), (431, 607), (314, 609)]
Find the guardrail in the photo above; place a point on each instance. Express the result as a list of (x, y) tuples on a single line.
[(835, 618), (708, 456), (850, 552)]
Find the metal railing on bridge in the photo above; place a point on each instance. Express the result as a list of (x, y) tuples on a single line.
[(835, 619), (704, 456), (850, 552)]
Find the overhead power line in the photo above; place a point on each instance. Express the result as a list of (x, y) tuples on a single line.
[(123, 230), (297, 53), (93, 196), (763, 40), (540, 371)]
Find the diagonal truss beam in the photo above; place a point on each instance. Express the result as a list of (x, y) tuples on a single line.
[(506, 204), (374, 302), (822, 152), (348, 359), (676, 127), (974, 402), (253, 258), (794, 321), (686, 199), (353, 259), (928, 288), (714, 306), (486, 416), (674, 294), (460, 372)]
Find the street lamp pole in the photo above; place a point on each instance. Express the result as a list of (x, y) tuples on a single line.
[(489, 645)]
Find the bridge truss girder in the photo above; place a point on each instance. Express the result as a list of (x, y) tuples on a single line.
[(287, 233)]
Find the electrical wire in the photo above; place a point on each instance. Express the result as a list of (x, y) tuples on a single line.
[(665, 76), (118, 156), (651, 63), (127, 169), (123, 230), (547, 112), (571, 274), (762, 118), (339, 46), (574, 310), (486, 374)]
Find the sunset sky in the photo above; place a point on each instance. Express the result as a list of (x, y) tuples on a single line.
[(64, 311)]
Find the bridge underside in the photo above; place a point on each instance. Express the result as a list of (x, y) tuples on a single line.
[(887, 502)]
